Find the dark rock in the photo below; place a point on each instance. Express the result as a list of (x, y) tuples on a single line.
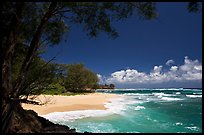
[(28, 121)]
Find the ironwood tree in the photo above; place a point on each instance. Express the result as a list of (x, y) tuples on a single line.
[(79, 78)]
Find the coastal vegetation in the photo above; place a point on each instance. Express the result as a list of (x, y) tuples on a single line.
[(106, 86), (80, 78), (55, 79), (28, 28), (52, 78)]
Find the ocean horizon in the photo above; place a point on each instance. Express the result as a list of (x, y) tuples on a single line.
[(141, 110)]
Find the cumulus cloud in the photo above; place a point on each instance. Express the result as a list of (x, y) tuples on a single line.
[(191, 70), (173, 68), (101, 78), (169, 62), (127, 76)]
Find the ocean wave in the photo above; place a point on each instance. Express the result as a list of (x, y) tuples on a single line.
[(193, 128), (177, 93), (193, 89), (139, 108), (120, 103), (162, 94), (161, 89), (193, 96), (142, 98), (99, 127), (170, 99), (179, 123), (136, 94), (132, 132), (146, 97), (73, 115), (197, 93), (114, 106)]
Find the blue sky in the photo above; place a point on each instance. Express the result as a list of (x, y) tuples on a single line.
[(141, 45)]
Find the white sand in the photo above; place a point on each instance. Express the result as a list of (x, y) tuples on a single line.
[(69, 103)]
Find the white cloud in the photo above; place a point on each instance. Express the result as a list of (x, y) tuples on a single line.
[(191, 70), (157, 69), (127, 76), (169, 62), (99, 76), (173, 68), (101, 80)]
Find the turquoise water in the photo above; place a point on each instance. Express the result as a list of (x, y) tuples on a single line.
[(140, 111)]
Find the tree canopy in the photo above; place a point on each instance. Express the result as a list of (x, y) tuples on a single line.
[(79, 78)]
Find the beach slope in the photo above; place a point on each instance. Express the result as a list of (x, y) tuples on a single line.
[(56, 103)]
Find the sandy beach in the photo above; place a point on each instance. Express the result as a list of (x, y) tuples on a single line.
[(55, 103)]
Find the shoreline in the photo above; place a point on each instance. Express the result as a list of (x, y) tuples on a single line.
[(57, 103)]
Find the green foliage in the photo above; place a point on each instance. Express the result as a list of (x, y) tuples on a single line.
[(147, 10), (58, 89), (106, 86), (194, 7), (40, 75), (50, 78), (30, 21), (54, 89), (17, 60), (54, 31), (79, 78), (96, 17), (112, 86), (61, 71)]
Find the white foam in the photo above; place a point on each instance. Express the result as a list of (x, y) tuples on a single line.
[(193, 128), (160, 95), (136, 94), (197, 93), (169, 89), (177, 93), (179, 123), (96, 127), (193, 96), (114, 106), (170, 99), (139, 107), (132, 132), (72, 115)]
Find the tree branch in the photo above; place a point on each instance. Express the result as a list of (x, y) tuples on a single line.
[(32, 49), (27, 86)]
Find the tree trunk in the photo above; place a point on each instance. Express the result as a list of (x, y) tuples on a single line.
[(14, 118), (10, 96), (11, 42), (34, 45)]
